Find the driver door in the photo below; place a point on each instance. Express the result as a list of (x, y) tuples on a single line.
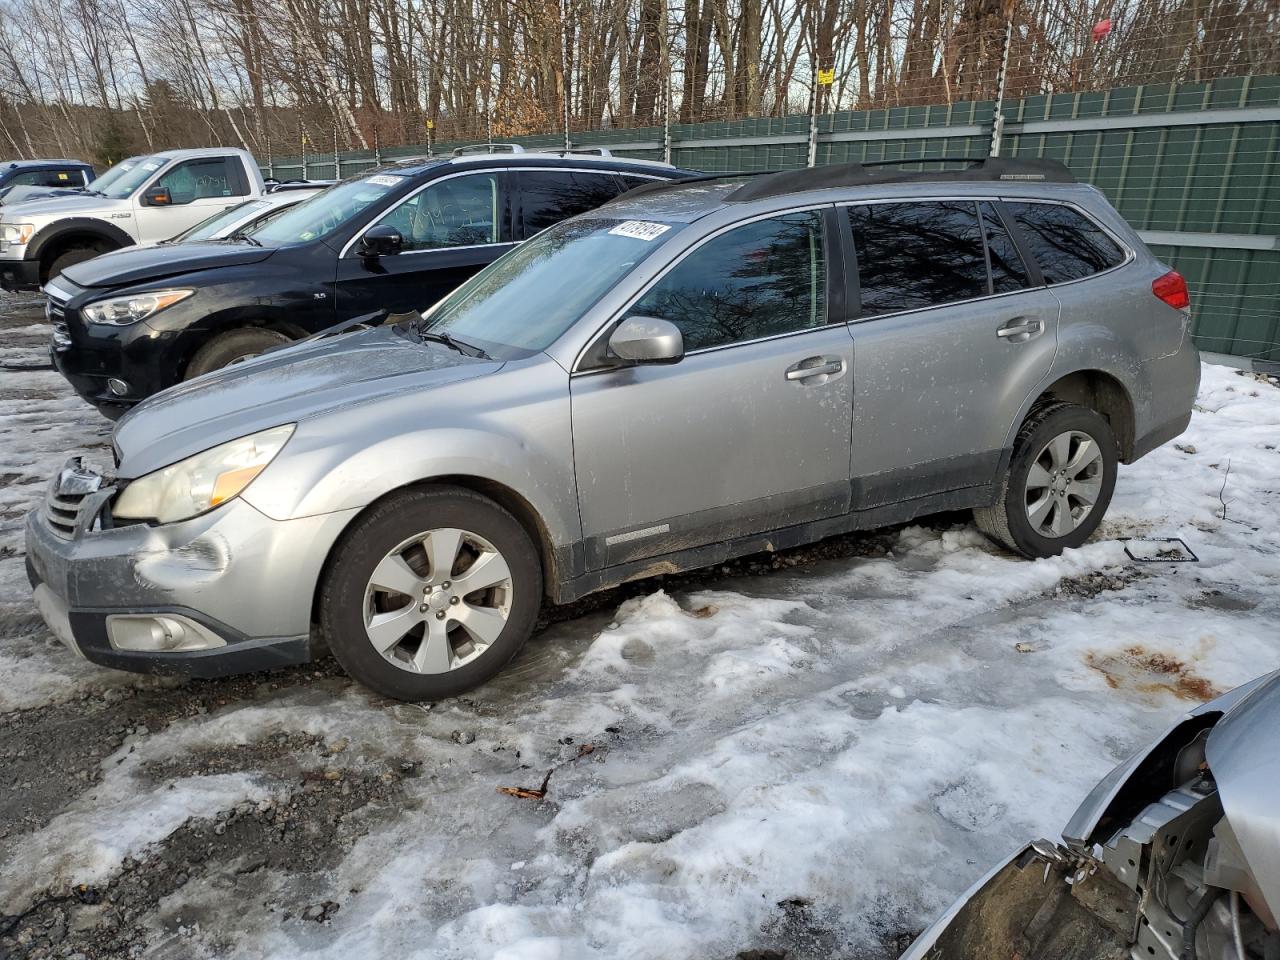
[(750, 431), (197, 190), (452, 228)]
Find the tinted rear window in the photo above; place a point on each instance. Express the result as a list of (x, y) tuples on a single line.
[(914, 255), (549, 196), (1066, 244)]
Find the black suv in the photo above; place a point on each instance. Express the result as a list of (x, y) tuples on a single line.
[(396, 239)]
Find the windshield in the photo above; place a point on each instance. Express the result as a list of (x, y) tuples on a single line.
[(524, 301), (223, 218), (326, 211), (126, 176)]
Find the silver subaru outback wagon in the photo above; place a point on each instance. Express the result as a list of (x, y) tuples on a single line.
[(694, 372)]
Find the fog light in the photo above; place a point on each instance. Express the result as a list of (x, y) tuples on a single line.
[(119, 387), (160, 633)]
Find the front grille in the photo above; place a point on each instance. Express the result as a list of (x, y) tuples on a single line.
[(61, 509), (55, 312)]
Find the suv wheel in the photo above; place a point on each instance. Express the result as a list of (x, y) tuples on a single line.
[(430, 594), (227, 348), (1059, 482)]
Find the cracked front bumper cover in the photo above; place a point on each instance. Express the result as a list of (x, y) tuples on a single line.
[(247, 579)]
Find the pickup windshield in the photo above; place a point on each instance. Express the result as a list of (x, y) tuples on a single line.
[(325, 212), (522, 302), (126, 176)]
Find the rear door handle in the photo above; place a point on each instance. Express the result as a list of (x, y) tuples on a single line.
[(1021, 329), (811, 367)]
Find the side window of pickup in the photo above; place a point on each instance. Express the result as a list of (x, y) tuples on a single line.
[(200, 179)]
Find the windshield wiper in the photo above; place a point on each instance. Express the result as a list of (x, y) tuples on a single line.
[(449, 340), (246, 238)]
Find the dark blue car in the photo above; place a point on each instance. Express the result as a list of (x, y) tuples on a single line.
[(44, 175)]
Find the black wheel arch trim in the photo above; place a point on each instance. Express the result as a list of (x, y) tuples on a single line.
[(76, 226)]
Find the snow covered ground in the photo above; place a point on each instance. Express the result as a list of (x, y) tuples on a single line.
[(813, 759)]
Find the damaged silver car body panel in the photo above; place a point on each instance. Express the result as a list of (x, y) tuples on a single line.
[(1174, 855)]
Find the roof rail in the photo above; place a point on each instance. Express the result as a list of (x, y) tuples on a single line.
[(577, 151), (658, 186), (471, 148), (875, 172)]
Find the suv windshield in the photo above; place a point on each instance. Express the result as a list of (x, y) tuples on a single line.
[(126, 176), (207, 228), (525, 300), (327, 211)]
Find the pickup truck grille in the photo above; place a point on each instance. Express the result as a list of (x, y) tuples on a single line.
[(55, 311)]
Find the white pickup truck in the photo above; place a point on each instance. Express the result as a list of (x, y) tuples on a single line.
[(140, 200)]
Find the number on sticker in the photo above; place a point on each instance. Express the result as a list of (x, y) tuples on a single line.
[(640, 230)]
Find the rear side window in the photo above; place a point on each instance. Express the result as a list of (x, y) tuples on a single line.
[(1066, 244), (1008, 273), (549, 196), (914, 255), (758, 280)]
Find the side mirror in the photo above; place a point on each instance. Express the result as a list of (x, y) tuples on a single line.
[(647, 340), (157, 197), (381, 240)]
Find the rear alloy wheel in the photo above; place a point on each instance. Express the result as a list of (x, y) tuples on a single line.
[(435, 612), (1060, 481)]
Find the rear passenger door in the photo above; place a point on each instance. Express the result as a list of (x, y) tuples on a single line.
[(953, 332), (545, 197)]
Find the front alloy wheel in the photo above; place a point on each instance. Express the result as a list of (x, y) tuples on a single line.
[(438, 601), (430, 592)]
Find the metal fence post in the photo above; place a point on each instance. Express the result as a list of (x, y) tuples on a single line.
[(997, 122)]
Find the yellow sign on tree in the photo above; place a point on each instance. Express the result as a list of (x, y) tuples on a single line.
[(826, 77), (431, 124)]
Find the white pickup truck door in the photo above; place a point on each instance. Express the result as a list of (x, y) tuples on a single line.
[(199, 188)]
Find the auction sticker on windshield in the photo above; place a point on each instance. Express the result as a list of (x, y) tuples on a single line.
[(640, 230), (383, 180)]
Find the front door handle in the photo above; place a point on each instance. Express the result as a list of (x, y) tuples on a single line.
[(810, 368), (1021, 329)]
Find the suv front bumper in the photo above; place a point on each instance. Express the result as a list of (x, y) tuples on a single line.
[(234, 576)]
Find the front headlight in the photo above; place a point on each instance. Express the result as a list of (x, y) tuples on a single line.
[(17, 233), (121, 310), (200, 483)]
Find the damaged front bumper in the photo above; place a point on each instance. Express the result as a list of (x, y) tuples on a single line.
[(226, 592)]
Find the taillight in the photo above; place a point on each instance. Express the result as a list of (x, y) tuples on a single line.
[(1172, 289)]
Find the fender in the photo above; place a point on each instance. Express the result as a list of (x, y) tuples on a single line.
[(90, 226)]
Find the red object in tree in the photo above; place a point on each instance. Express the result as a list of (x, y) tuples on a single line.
[(1101, 29)]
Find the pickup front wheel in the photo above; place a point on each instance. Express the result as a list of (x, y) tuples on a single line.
[(430, 593), (1059, 483)]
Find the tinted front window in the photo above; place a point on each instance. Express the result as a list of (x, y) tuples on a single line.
[(524, 301), (1008, 273), (1066, 244), (913, 255), (200, 179), (757, 280), (327, 210), (549, 196), (126, 176), (457, 212)]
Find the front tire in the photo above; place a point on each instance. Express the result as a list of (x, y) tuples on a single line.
[(430, 593), (69, 258), (227, 348), (1059, 483)]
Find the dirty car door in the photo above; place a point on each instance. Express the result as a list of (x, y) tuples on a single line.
[(750, 431)]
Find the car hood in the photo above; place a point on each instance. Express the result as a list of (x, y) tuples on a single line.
[(78, 205), (285, 386), (140, 264)]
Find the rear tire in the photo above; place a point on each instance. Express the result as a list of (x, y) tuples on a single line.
[(430, 593), (227, 348), (69, 258), (1059, 482)]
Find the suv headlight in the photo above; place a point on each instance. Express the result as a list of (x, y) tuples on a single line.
[(202, 482), (16, 233), (131, 309)]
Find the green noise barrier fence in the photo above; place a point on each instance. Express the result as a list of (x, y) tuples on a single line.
[(1192, 166)]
